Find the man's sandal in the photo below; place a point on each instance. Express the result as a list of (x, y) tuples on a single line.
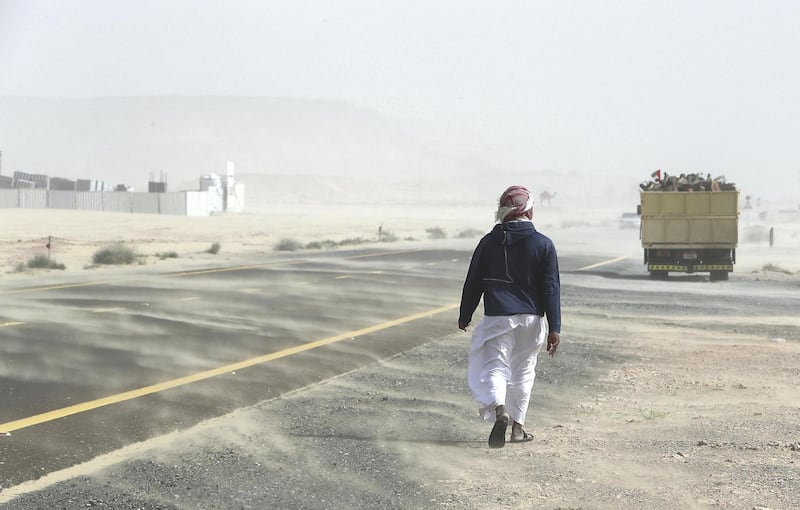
[(524, 439), (497, 438)]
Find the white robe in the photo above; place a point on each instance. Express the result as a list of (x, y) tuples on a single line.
[(502, 363)]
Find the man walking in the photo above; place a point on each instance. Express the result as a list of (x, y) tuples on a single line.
[(515, 269)]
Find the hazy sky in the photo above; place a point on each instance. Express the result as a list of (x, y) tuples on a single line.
[(622, 87)]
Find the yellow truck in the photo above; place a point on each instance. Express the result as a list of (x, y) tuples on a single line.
[(689, 232)]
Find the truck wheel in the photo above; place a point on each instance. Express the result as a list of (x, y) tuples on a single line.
[(717, 276), (658, 275)]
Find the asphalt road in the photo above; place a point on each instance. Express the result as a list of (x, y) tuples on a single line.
[(93, 365), (90, 366)]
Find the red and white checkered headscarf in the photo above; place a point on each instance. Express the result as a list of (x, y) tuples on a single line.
[(516, 203)]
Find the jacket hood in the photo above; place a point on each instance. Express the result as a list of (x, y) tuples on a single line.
[(512, 232)]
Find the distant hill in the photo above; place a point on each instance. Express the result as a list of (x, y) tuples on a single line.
[(284, 150), (126, 140)]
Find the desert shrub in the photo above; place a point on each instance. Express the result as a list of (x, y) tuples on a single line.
[(652, 414), (387, 237), (352, 241), (44, 262), (116, 254), (469, 233), (318, 245), (214, 249), (772, 268), (435, 233), (314, 245), (287, 244), (167, 255), (39, 261)]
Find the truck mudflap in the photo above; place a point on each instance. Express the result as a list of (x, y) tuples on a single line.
[(689, 268)]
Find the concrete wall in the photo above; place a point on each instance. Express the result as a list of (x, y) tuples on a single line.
[(145, 203), (61, 199), (174, 203), (9, 198), (183, 203), (33, 198), (198, 202)]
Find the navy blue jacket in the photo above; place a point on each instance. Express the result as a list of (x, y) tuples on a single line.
[(515, 269)]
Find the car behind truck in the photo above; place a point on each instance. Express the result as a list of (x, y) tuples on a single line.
[(690, 232)]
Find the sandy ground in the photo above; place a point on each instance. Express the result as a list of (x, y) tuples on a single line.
[(646, 406), (75, 236)]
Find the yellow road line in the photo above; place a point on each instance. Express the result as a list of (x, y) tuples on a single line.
[(195, 272), (604, 263), (107, 310), (378, 254), (236, 268), (200, 376), (12, 323), (343, 277), (172, 275), (55, 287)]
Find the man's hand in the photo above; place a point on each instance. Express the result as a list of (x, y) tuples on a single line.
[(553, 339), (463, 325)]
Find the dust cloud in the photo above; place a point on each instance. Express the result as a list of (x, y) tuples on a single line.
[(400, 426)]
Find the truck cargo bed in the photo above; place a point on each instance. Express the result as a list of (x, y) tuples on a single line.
[(680, 219)]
